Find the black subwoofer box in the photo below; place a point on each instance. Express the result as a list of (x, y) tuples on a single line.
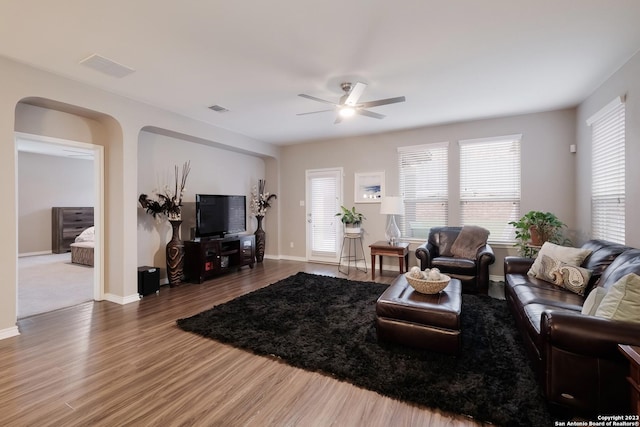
[(148, 280)]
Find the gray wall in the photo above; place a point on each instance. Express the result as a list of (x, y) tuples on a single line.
[(213, 171), (108, 121), (44, 182), (548, 170), (624, 81)]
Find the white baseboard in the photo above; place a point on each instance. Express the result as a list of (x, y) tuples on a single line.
[(9, 332), (288, 258), (385, 267), (122, 300), (25, 254), (390, 264)]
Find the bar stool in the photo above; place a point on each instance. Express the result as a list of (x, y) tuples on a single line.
[(351, 242)]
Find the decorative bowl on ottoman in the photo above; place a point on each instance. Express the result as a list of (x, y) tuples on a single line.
[(426, 286)]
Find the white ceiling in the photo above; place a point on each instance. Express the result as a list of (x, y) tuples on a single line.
[(454, 60)]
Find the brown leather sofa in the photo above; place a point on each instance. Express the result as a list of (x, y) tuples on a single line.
[(575, 356), (473, 273)]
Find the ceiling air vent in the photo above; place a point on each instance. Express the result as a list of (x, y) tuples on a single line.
[(107, 66), (218, 109)]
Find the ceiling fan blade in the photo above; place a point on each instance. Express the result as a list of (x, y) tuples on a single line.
[(382, 102), (370, 114), (355, 94), (314, 112), (313, 98)]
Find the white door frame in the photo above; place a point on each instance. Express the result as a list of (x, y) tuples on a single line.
[(309, 253), (98, 209)]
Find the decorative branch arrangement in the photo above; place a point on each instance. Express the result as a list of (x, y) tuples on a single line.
[(168, 202), (261, 199)]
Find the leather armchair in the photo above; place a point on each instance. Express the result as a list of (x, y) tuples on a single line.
[(473, 273)]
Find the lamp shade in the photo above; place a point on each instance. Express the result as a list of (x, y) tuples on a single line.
[(392, 205)]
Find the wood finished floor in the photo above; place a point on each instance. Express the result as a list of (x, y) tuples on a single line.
[(102, 364)]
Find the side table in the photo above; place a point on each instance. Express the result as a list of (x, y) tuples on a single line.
[(383, 248), (632, 353), (351, 242)]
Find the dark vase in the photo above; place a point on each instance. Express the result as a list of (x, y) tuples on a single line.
[(175, 255), (260, 240)]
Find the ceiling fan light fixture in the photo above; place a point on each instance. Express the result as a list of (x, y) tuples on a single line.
[(347, 112), (349, 103)]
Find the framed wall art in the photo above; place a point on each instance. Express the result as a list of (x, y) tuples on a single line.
[(369, 187)]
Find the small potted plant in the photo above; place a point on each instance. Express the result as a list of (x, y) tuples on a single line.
[(535, 228), (351, 220)]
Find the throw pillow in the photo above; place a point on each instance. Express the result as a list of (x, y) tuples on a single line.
[(622, 301), (593, 301), (547, 269), (568, 255), (569, 277)]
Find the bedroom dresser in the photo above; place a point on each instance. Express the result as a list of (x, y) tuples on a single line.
[(66, 225)]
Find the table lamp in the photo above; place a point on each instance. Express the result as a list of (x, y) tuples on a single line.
[(392, 206)]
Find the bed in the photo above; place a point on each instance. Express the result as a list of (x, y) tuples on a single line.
[(82, 248)]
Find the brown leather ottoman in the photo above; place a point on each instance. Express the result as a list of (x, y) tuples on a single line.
[(408, 317)]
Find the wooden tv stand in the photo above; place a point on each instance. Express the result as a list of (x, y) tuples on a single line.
[(207, 258)]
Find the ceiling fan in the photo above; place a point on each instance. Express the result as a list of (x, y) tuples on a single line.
[(348, 104)]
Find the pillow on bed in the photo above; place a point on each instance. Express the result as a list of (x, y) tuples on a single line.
[(86, 236)]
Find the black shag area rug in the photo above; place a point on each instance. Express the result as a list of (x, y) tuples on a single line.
[(326, 324)]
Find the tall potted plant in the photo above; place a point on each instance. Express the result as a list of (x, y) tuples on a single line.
[(351, 219), (535, 228)]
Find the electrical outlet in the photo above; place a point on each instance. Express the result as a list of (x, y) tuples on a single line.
[(291, 244)]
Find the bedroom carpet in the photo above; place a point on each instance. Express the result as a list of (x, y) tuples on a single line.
[(326, 324), (51, 282)]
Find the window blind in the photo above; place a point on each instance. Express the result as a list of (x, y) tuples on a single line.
[(490, 185), (608, 174), (424, 186)]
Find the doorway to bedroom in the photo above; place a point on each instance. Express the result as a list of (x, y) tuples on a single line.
[(54, 173)]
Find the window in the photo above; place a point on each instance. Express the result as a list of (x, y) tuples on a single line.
[(608, 172), (490, 185), (424, 186)]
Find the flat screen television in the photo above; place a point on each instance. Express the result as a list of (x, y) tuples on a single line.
[(218, 215)]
